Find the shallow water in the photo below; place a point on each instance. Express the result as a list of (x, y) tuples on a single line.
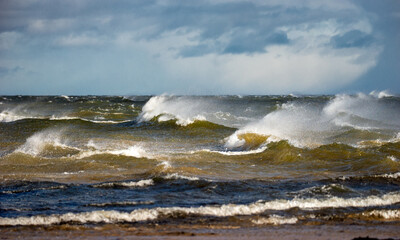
[(267, 160)]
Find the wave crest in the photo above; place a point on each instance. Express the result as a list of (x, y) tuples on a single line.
[(168, 108), (54, 143), (312, 124), (216, 211), (187, 110)]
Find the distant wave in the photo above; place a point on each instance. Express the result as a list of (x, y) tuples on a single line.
[(66, 108), (381, 94), (12, 116)]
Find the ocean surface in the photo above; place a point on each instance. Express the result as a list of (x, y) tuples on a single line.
[(242, 160)]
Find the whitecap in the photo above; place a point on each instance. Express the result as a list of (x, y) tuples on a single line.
[(393, 158), (66, 97), (236, 153), (217, 211), (311, 125), (130, 184), (275, 220), (381, 94), (166, 108), (188, 109), (12, 115), (388, 214), (36, 143), (389, 175), (178, 176), (98, 148)]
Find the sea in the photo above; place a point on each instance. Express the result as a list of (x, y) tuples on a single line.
[(243, 161)]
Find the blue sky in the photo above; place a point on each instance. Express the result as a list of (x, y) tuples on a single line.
[(122, 47)]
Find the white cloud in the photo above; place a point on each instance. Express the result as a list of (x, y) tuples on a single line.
[(228, 45), (309, 64)]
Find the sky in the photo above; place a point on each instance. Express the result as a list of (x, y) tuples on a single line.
[(104, 47)]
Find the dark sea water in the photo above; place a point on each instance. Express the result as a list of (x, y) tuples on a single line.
[(252, 160)]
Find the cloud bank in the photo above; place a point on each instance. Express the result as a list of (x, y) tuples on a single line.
[(184, 47)]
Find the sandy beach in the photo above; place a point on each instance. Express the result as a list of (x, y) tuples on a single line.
[(126, 231)]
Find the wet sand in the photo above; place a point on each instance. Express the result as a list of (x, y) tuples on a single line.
[(126, 231)]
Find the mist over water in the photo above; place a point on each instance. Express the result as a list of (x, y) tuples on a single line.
[(162, 158)]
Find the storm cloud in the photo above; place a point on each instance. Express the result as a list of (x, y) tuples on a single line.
[(187, 47)]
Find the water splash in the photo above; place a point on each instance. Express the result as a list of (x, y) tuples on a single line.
[(309, 124)]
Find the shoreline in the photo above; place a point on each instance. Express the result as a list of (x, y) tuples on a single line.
[(188, 231)]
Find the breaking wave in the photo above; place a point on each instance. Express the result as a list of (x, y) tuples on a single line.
[(141, 183), (12, 116), (188, 110), (168, 108), (104, 112), (387, 214), (344, 119), (216, 211), (389, 175), (52, 142), (275, 220), (37, 143)]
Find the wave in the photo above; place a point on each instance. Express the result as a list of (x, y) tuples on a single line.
[(132, 151), (54, 142), (31, 111), (54, 118), (387, 214), (113, 204), (226, 210), (312, 124), (381, 94), (34, 189), (131, 184), (62, 108), (178, 176), (389, 175), (187, 110), (146, 182), (235, 153), (275, 220), (9, 116), (37, 143), (12, 116), (168, 108)]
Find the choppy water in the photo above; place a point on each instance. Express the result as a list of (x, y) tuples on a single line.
[(256, 160)]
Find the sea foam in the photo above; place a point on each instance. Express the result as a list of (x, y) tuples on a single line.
[(36, 143), (305, 124), (275, 220), (184, 110), (216, 211), (388, 214), (130, 184), (188, 109)]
